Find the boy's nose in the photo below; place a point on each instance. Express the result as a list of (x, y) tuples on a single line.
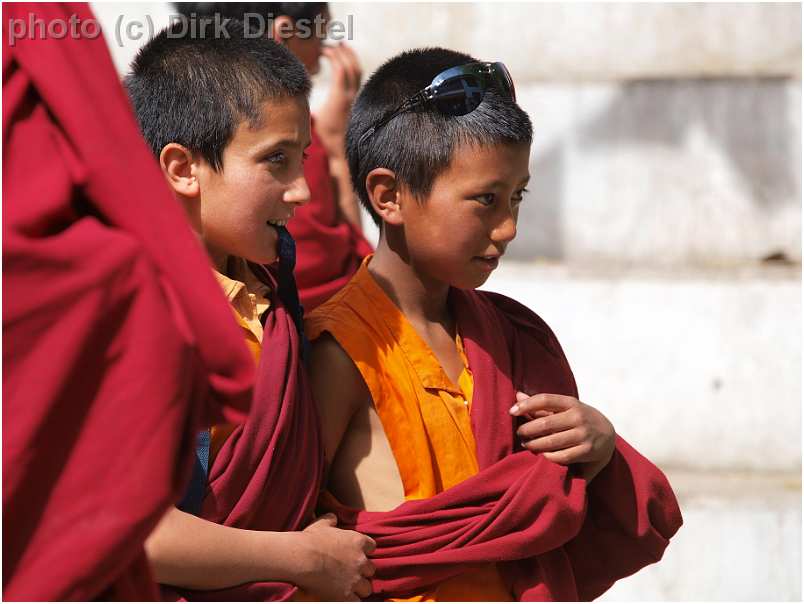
[(298, 193), (505, 230)]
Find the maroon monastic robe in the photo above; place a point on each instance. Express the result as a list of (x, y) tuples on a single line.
[(118, 342)]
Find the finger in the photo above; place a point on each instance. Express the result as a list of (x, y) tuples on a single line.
[(544, 402), (370, 545), (555, 442), (354, 64), (367, 569), (363, 588), (576, 454), (521, 396), (331, 54), (349, 76), (328, 519), (549, 424)]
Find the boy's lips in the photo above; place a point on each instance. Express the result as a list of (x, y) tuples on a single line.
[(488, 262), (279, 221)]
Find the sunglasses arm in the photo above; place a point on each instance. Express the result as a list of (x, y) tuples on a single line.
[(410, 103)]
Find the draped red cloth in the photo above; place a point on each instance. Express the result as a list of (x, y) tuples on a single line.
[(118, 342), (268, 473), (561, 538), (557, 537), (329, 247)]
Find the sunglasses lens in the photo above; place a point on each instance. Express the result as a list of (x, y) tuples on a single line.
[(459, 95), (503, 79)]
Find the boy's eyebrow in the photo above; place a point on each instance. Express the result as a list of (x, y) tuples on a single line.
[(496, 184), (285, 142)]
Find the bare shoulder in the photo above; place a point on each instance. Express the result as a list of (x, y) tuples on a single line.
[(338, 389), (332, 366)]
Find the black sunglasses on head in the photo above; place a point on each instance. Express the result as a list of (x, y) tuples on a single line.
[(455, 91)]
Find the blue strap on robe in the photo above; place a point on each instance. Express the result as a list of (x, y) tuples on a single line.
[(194, 496)]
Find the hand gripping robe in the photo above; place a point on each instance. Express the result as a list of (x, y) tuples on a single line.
[(552, 535), (118, 344)]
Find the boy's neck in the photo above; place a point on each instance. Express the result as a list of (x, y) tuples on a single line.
[(220, 261), (421, 299)]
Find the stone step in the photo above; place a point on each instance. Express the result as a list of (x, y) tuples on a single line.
[(741, 541), (698, 369)]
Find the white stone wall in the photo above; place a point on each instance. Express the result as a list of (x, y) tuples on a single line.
[(663, 172), (129, 25), (700, 370), (591, 41)]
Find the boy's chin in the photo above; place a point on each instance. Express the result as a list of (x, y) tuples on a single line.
[(462, 279), (469, 282), (264, 258)]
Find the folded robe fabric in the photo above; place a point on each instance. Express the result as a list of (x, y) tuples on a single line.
[(561, 538), (268, 472), (118, 342), (329, 247)]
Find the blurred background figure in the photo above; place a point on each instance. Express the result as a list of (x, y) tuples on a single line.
[(664, 245)]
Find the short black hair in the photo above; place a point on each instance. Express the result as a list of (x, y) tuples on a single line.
[(195, 90), (238, 10), (418, 145)]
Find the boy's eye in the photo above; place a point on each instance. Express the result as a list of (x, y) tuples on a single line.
[(517, 198), (486, 199), (276, 158)]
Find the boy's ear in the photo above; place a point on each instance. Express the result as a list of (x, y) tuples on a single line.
[(384, 194), (179, 167), (282, 28)]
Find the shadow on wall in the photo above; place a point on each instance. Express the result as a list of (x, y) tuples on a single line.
[(747, 123)]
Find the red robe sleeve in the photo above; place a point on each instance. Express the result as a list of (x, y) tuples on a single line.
[(632, 511), (631, 516), (117, 338)]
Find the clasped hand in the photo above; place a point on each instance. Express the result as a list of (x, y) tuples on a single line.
[(566, 431)]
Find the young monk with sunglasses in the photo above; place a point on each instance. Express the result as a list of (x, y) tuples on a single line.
[(453, 432)]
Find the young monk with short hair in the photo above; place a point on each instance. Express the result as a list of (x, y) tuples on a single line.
[(454, 420), (228, 120), (327, 230)]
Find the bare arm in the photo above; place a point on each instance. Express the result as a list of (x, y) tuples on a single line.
[(190, 552), (331, 122), (348, 204), (337, 399), (218, 556)]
